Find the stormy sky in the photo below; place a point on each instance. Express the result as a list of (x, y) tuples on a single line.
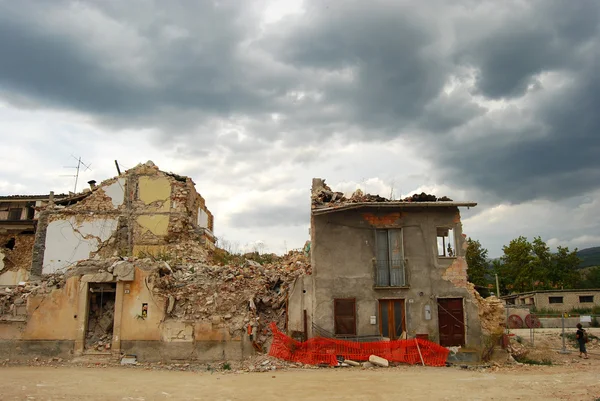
[(495, 102)]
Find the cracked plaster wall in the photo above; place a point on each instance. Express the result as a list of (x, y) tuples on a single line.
[(71, 240)]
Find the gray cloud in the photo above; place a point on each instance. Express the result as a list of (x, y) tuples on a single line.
[(342, 71)]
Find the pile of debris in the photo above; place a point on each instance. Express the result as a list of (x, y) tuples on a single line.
[(100, 326), (423, 197), (491, 312), (243, 296), (13, 300), (323, 195)]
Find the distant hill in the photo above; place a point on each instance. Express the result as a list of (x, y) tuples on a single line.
[(589, 257)]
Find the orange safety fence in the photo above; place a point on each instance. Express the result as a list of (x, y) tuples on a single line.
[(319, 350)]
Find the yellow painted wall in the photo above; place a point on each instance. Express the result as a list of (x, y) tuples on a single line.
[(54, 316), (132, 327), (144, 250), (157, 224), (155, 189)]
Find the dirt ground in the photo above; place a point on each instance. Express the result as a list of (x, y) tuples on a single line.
[(568, 378), (578, 382)]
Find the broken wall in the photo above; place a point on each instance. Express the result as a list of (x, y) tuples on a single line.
[(15, 257), (143, 212)]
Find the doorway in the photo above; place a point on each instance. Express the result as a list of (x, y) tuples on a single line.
[(101, 315), (451, 322), (392, 322)]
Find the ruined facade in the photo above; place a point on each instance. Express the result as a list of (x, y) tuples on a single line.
[(95, 260), (391, 269), (18, 223), (141, 212)]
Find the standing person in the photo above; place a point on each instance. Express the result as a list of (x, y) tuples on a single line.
[(581, 339)]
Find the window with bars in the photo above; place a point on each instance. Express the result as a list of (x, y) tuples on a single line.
[(344, 312), (583, 299), (389, 259)]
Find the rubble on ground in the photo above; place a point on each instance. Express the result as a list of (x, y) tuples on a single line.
[(492, 314), (239, 294)]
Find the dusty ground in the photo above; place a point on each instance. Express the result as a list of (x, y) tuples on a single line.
[(577, 382)]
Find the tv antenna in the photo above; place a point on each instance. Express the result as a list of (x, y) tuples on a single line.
[(77, 168)]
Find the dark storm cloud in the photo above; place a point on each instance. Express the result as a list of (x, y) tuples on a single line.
[(349, 70)]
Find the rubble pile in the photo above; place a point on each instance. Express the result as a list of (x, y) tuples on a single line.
[(324, 195), (13, 300), (491, 312), (241, 296), (423, 197), (100, 326)]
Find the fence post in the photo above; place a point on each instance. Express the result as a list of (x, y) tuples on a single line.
[(564, 347)]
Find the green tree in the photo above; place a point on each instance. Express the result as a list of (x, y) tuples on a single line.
[(591, 278), (517, 267), (564, 272), (478, 265), (527, 266)]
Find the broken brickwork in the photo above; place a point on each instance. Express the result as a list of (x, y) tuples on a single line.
[(144, 211), (15, 257)]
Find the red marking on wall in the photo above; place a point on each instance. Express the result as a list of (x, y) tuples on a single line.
[(382, 220)]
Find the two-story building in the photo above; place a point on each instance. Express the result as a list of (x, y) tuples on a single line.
[(392, 269)]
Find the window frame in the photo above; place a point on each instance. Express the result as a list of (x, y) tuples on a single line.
[(590, 297), (395, 279), (445, 244), (12, 210), (553, 299), (336, 324)]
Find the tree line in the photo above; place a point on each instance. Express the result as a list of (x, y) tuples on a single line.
[(528, 266)]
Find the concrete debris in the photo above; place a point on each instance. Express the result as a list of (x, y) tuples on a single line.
[(351, 363), (378, 361), (242, 295), (367, 365), (129, 360), (491, 312), (323, 195), (100, 324)]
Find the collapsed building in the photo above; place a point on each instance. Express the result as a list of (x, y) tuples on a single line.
[(130, 267), (389, 269)]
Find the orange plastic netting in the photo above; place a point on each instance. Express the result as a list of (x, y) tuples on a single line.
[(318, 350)]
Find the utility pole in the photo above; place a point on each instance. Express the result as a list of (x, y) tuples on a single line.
[(77, 169), (497, 287)]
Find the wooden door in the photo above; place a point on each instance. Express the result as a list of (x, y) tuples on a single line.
[(391, 318), (451, 322)]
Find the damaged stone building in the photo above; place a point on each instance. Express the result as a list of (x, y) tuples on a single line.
[(388, 269), (18, 223), (93, 262)]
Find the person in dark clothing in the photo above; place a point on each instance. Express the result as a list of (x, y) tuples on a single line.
[(581, 337)]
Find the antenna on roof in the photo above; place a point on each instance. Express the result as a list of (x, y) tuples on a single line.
[(77, 169)]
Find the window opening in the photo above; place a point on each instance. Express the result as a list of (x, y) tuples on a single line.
[(446, 242), (555, 300), (586, 299), (15, 213), (10, 244)]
